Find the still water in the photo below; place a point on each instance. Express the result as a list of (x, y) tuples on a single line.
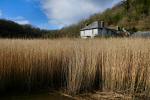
[(55, 96), (45, 96)]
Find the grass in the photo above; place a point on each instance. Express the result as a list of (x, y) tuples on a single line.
[(75, 66)]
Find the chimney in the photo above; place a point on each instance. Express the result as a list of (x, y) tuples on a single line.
[(102, 24), (86, 24)]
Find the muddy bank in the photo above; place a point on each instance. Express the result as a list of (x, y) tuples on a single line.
[(38, 96), (110, 96)]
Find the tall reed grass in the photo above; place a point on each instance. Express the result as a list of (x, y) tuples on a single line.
[(75, 66)]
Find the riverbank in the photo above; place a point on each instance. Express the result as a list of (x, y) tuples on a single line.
[(97, 95), (36, 96)]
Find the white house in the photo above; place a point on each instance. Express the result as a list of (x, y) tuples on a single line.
[(97, 29)]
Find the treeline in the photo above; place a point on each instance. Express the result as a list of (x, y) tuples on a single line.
[(10, 29)]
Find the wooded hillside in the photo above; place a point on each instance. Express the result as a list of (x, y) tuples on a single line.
[(134, 15)]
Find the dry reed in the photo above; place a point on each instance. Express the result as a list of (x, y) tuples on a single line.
[(75, 66)]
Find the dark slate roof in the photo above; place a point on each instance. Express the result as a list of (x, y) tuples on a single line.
[(94, 25)]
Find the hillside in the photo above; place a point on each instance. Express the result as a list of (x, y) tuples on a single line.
[(10, 29), (134, 15)]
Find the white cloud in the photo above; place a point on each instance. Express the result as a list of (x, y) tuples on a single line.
[(20, 20), (66, 12)]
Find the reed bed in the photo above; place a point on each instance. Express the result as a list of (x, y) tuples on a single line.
[(75, 66)]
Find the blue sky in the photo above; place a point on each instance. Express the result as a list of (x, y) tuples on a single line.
[(51, 14)]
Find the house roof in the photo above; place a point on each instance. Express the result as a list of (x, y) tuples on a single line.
[(92, 26), (96, 25)]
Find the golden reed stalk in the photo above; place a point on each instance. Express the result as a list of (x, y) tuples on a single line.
[(76, 65)]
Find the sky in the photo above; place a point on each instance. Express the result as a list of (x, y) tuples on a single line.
[(51, 14)]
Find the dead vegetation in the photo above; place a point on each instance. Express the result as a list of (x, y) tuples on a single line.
[(76, 66)]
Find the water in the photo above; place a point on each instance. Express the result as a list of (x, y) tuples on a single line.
[(43, 96), (56, 96)]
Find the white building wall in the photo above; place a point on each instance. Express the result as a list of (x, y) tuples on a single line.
[(95, 32), (89, 33), (82, 33)]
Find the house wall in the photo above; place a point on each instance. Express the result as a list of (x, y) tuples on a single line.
[(82, 33), (105, 32), (89, 33), (102, 32), (110, 33), (96, 32)]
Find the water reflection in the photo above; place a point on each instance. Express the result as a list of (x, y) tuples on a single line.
[(55, 96), (45, 96)]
